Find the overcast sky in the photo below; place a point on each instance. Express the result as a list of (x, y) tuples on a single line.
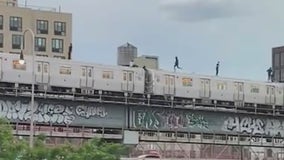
[(238, 33)]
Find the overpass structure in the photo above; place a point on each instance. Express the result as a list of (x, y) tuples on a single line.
[(75, 118)]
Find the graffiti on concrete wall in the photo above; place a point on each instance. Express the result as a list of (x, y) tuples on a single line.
[(164, 119), (254, 126), (48, 112), (206, 122)]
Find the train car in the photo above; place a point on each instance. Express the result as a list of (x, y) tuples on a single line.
[(119, 79), (70, 76), (162, 82), (222, 91), (76, 77), (263, 93), (12, 72), (189, 86)]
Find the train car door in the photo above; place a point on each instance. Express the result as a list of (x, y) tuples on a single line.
[(204, 88), (0, 68), (42, 72), (239, 91), (270, 95), (148, 81), (169, 88), (86, 79), (128, 81)]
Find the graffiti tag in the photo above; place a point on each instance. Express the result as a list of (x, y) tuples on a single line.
[(48, 113), (254, 126), (160, 119)]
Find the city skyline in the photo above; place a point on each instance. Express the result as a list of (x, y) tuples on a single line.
[(238, 34)]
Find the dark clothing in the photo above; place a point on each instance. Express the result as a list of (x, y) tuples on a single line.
[(176, 64), (217, 69), (70, 51), (269, 74)]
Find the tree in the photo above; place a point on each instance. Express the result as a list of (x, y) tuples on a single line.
[(12, 148)]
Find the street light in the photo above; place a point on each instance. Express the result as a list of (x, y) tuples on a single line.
[(21, 61)]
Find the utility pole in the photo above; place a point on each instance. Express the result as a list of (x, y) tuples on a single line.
[(241, 152)]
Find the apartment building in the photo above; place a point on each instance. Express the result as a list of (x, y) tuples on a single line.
[(52, 30)]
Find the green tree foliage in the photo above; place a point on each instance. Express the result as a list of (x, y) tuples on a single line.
[(12, 148)]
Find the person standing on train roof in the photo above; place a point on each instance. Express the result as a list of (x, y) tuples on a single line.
[(269, 73), (217, 68)]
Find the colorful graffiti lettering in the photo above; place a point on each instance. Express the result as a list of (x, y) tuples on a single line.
[(197, 121), (161, 119)]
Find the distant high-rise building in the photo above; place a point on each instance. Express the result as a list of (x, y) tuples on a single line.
[(52, 29), (278, 63), (126, 54)]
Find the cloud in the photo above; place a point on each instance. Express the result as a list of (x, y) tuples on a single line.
[(201, 10)]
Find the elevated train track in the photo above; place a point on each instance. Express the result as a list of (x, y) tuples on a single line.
[(146, 100), (172, 136)]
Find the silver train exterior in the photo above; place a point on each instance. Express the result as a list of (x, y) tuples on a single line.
[(90, 78)]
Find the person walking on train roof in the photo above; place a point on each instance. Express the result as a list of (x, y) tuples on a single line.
[(217, 68), (176, 64), (269, 73), (70, 51)]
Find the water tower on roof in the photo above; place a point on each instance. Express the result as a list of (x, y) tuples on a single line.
[(125, 54)]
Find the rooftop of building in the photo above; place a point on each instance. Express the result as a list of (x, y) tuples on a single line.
[(10, 3)]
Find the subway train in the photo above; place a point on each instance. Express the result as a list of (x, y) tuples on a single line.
[(68, 76)]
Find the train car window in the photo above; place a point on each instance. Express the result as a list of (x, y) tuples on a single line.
[(221, 86), (254, 89), (83, 71), (39, 68), (130, 76), (157, 78), (124, 76), (166, 81), (18, 66), (172, 81), (45, 68), (65, 70), (272, 90), (107, 75), (279, 91), (90, 72), (240, 88), (186, 81)]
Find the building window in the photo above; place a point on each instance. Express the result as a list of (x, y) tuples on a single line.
[(60, 28), (1, 40), (1, 22), (16, 24), (16, 41), (59, 57), (40, 44), (57, 45), (42, 26)]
